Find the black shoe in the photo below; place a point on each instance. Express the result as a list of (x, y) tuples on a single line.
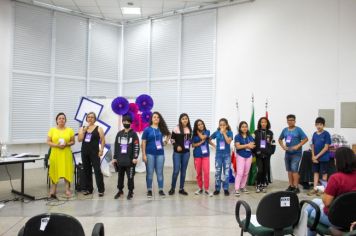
[(183, 192), (101, 194), (149, 193), (161, 193), (296, 190), (216, 192), (87, 192), (130, 195), (226, 192), (171, 191), (118, 194), (290, 188)]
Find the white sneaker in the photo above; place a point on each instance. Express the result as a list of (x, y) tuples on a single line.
[(208, 193), (264, 190), (258, 190), (198, 192), (244, 190), (237, 193)]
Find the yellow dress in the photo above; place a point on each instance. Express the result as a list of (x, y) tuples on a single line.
[(61, 160)]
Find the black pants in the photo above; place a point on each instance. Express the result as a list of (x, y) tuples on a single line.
[(263, 168), (91, 160), (130, 173)]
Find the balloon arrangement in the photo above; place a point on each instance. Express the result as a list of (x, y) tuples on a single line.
[(140, 111)]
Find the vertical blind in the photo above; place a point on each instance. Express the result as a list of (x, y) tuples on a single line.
[(59, 57)]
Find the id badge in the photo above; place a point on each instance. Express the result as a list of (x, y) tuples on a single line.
[(263, 144), (186, 144), (87, 137), (222, 145), (158, 145), (289, 139), (204, 149), (123, 148)]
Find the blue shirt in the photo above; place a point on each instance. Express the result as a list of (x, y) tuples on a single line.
[(292, 138), (245, 153), (151, 135), (197, 152), (319, 141), (222, 147)]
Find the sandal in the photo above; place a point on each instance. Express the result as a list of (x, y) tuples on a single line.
[(68, 193), (53, 196)]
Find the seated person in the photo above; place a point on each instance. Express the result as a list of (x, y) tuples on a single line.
[(343, 181)]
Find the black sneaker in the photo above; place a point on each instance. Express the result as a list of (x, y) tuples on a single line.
[(149, 193), (183, 192), (118, 194), (161, 193), (101, 194), (216, 192), (290, 188), (226, 192), (130, 195), (171, 191), (296, 190)]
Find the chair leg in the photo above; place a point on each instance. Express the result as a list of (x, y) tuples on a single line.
[(242, 232)]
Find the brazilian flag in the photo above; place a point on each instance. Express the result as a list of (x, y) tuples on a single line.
[(253, 170)]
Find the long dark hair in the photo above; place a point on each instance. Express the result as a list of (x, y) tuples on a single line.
[(226, 122), (240, 125), (195, 129), (181, 129), (259, 126), (345, 160), (162, 126)]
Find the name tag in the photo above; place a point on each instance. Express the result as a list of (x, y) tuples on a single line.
[(61, 141), (186, 144), (204, 149), (263, 144), (87, 137), (123, 148), (158, 145), (289, 139), (248, 150), (222, 145), (285, 201)]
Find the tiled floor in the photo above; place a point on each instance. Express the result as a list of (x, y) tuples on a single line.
[(172, 215)]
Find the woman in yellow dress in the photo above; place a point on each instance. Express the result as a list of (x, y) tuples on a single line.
[(60, 139)]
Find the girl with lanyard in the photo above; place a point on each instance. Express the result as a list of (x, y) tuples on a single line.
[(153, 152), (181, 139), (201, 156), (244, 144), (264, 150)]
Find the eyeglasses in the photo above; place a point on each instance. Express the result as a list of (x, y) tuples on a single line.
[(291, 120)]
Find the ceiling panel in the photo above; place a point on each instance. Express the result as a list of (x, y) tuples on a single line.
[(111, 8)]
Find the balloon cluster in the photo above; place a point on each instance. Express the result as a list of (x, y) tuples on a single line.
[(140, 111)]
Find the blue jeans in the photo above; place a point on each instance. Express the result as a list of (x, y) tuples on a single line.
[(222, 163), (292, 162), (154, 162), (323, 217), (180, 163)]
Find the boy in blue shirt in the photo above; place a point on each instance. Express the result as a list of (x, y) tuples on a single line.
[(320, 153), (294, 138)]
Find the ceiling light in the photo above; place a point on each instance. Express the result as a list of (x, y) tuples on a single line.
[(131, 10)]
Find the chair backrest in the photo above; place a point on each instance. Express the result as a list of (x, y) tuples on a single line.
[(342, 211), (58, 225), (278, 210)]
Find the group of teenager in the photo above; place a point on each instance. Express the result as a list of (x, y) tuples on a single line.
[(184, 138)]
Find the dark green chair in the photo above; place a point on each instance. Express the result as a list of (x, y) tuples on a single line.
[(342, 212), (277, 214)]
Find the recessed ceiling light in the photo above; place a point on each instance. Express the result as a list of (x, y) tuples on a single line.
[(131, 10)]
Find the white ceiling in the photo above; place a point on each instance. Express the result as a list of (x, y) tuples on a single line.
[(111, 9)]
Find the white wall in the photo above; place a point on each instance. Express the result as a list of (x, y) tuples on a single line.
[(298, 54)]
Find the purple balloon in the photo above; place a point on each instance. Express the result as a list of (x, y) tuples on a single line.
[(120, 105), (146, 116), (144, 102)]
